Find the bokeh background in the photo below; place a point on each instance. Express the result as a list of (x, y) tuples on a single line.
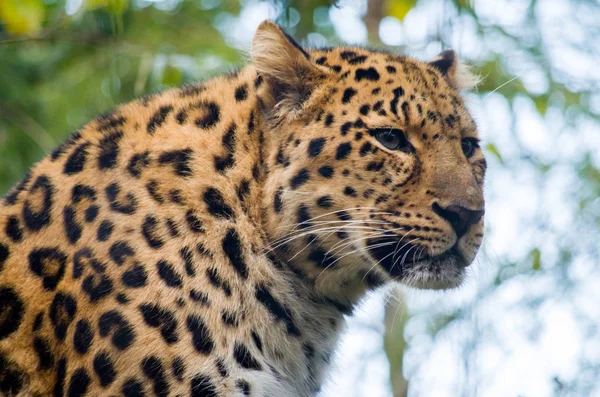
[(527, 321)]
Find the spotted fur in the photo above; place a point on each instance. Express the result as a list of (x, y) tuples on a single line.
[(208, 240)]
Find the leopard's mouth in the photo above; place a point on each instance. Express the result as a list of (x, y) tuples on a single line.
[(410, 265)]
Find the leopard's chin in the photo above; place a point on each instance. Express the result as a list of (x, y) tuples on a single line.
[(444, 271)]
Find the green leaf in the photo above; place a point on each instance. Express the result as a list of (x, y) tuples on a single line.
[(492, 149), (22, 17), (536, 259), (541, 104), (399, 8), (171, 76)]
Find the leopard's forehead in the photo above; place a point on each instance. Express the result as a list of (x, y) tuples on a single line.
[(402, 89)]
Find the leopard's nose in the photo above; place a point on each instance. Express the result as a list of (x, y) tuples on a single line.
[(459, 217)]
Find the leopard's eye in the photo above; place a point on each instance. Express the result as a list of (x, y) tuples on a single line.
[(469, 146), (392, 139)]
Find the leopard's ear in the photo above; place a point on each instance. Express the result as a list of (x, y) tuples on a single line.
[(457, 73), (285, 64)]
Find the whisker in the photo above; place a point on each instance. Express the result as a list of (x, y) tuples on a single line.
[(352, 252)]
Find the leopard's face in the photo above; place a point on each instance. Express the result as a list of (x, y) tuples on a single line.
[(381, 174)]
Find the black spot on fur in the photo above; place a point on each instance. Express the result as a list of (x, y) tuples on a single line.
[(72, 228), (217, 281), (83, 259), (216, 204), (357, 60), (44, 353), (348, 94), (370, 74), (241, 93), (281, 313), (176, 197), (135, 277), (243, 190), (375, 166), (303, 216), (230, 319), (137, 163), (150, 232), (91, 213), (83, 336), (212, 115), (36, 220), (251, 123), (350, 191), (223, 163), (104, 230), (11, 312), (343, 150), (244, 358), (325, 201), (122, 332), (315, 147), (199, 297), (345, 55), (4, 253), (152, 188), (65, 145), (157, 317), (13, 229), (178, 368), (277, 203), (109, 150), (61, 374), (49, 264), (80, 380), (233, 249), (191, 90), (345, 128), (132, 388), (127, 206), (257, 341), (62, 312), (81, 192), (300, 178), (179, 159), (321, 259), (172, 226), (167, 273), (154, 370), (97, 287), (120, 251), (326, 171), (243, 386), (201, 338), (110, 121), (365, 149), (202, 386), (398, 92), (13, 194), (329, 120), (158, 118), (104, 368), (76, 161), (188, 260)]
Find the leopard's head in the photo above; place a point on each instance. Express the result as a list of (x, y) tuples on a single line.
[(375, 170)]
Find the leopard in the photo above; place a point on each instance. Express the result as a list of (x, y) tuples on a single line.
[(212, 239)]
